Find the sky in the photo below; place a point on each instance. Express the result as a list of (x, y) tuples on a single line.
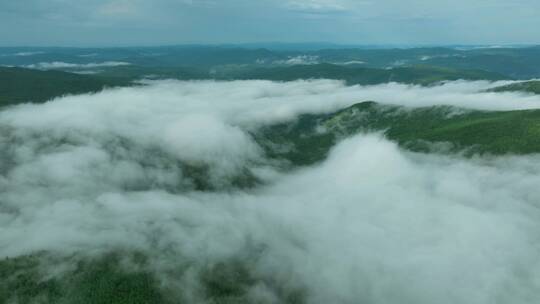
[(158, 22)]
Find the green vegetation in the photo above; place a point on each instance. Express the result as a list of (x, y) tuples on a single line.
[(124, 277), (101, 280), (19, 85), (519, 63), (133, 72), (526, 86), (25, 279), (514, 62), (441, 128), (423, 75), (121, 278), (23, 85), (21, 282)]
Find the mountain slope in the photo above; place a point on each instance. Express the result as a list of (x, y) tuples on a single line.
[(18, 85), (440, 128), (526, 86), (126, 276), (366, 76)]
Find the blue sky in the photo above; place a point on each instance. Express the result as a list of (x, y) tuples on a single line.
[(155, 22)]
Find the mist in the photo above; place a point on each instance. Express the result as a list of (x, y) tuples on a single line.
[(67, 65), (372, 223)]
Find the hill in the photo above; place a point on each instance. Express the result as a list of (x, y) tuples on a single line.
[(526, 86), (424, 75), (18, 85), (429, 129), (514, 62), (125, 276)]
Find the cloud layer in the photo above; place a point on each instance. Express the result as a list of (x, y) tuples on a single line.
[(371, 224), (65, 65)]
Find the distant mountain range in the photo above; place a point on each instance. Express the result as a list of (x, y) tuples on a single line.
[(18, 85), (512, 61)]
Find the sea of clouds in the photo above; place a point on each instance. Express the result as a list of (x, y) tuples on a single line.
[(371, 224)]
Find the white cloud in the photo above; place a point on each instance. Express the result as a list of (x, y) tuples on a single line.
[(317, 5), (371, 224), (351, 62), (88, 55), (252, 102), (300, 59), (66, 65), (22, 54), (25, 54)]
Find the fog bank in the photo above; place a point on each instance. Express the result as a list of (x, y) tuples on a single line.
[(371, 224)]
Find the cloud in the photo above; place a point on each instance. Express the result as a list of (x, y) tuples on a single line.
[(372, 223), (66, 65), (300, 59), (119, 8), (24, 54), (138, 22), (317, 5), (351, 62), (88, 55)]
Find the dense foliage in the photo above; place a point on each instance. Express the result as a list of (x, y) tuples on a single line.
[(19, 85), (366, 76), (520, 63), (440, 128), (526, 86)]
